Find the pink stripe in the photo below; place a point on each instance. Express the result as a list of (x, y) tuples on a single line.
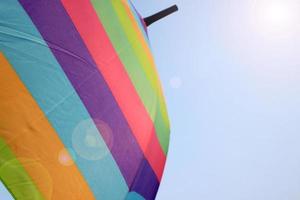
[(114, 73)]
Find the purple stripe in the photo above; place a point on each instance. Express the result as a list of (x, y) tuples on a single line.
[(57, 29), (146, 187)]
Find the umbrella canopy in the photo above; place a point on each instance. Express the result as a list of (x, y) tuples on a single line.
[(82, 113)]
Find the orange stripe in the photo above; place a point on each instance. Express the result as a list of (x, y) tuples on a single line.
[(35, 143)]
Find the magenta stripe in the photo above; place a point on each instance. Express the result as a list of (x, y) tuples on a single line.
[(67, 46)]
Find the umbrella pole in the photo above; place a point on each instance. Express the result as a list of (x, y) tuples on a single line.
[(153, 18)]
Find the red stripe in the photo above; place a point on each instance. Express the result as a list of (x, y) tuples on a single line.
[(98, 43)]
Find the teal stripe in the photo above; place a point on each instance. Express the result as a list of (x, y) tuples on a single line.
[(47, 83), (134, 196)]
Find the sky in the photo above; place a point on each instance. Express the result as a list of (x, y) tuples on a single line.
[(230, 71)]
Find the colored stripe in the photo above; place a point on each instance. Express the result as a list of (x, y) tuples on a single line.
[(90, 85), (46, 81), (12, 174), (138, 18), (161, 117), (142, 49), (86, 21), (134, 67), (35, 143), (134, 196), (144, 55)]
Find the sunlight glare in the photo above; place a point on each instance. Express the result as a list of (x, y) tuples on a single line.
[(277, 16)]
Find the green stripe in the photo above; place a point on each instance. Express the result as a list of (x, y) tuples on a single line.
[(139, 50), (14, 176), (161, 118), (132, 56)]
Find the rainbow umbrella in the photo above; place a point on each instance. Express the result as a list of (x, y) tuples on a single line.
[(82, 113)]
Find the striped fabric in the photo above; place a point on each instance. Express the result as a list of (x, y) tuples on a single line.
[(82, 114)]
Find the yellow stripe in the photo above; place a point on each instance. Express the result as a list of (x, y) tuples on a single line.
[(143, 52), (27, 132)]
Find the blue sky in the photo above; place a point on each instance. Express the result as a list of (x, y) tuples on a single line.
[(230, 70)]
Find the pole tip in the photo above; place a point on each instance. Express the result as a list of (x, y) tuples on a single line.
[(153, 18)]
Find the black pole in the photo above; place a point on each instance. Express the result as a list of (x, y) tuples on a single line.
[(153, 18)]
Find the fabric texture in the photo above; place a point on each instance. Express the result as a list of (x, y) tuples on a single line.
[(82, 112)]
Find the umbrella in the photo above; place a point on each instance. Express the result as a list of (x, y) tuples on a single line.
[(82, 113)]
